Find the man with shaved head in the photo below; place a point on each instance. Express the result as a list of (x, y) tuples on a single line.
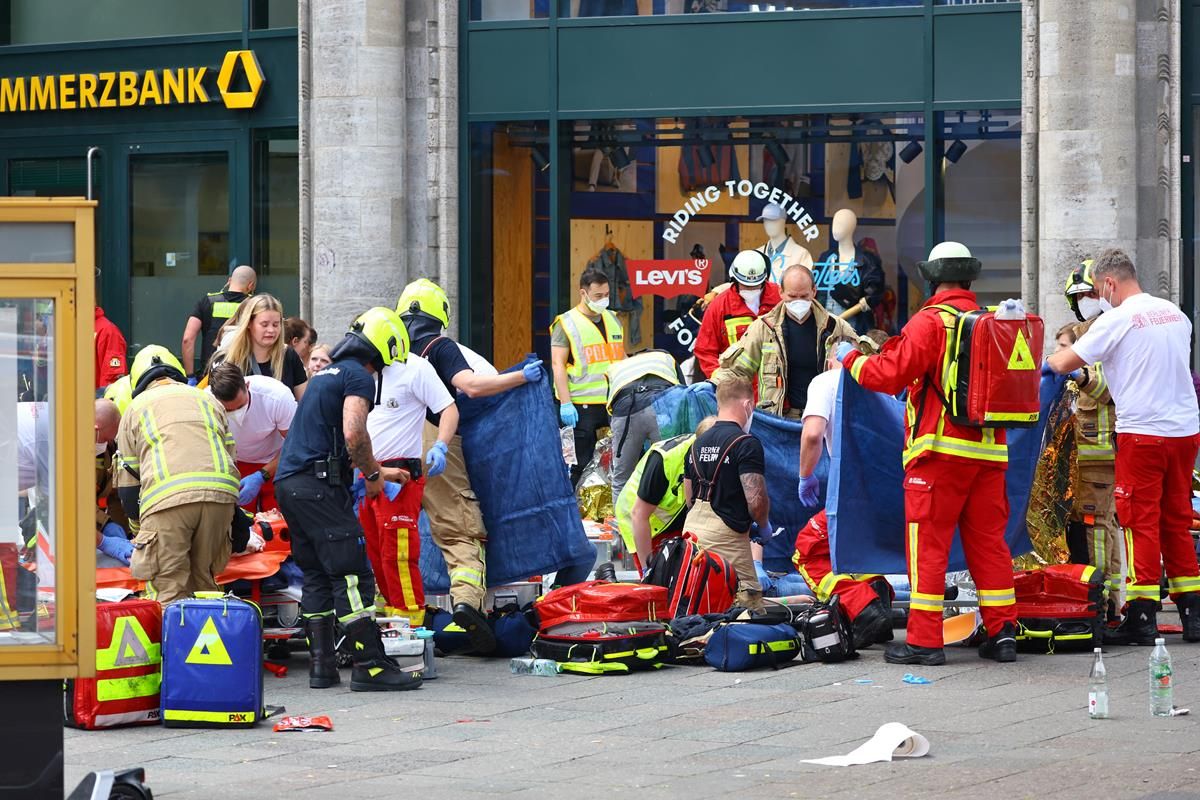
[(111, 536), (210, 314)]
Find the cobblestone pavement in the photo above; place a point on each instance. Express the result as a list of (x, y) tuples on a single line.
[(1011, 731)]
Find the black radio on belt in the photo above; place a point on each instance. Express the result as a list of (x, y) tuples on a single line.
[(333, 470)]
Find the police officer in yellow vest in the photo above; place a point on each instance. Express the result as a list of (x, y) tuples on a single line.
[(633, 385), (177, 478), (584, 342), (652, 506), (211, 312)]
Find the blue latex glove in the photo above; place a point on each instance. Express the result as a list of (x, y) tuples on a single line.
[(435, 460), (1046, 371), (250, 487), (113, 530), (193, 380), (358, 490), (119, 548), (391, 489), (533, 371), (702, 387), (810, 491), (843, 350), (568, 414)]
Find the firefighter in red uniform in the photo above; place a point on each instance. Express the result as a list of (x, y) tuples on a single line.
[(110, 350), (953, 475), (749, 297)]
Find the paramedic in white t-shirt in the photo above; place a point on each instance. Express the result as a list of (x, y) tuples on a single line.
[(1144, 343), (409, 390), (260, 411), (861, 595)]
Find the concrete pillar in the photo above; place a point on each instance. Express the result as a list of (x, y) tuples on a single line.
[(377, 137), (1086, 139)]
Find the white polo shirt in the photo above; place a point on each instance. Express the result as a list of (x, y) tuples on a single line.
[(396, 425), (259, 433), (1144, 345), (822, 401)]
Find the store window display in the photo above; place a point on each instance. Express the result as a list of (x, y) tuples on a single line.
[(780, 248), (675, 197), (849, 277)]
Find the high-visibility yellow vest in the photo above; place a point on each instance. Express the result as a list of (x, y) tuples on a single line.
[(174, 442), (222, 309), (674, 457), (648, 364), (592, 351)]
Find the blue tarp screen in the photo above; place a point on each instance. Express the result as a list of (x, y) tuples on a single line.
[(514, 456)]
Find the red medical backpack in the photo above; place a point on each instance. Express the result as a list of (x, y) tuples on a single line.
[(125, 690), (994, 371)]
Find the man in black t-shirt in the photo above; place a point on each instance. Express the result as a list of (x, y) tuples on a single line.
[(449, 500), (210, 313), (724, 478), (327, 439)]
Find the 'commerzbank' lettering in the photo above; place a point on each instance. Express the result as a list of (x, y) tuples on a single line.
[(182, 86)]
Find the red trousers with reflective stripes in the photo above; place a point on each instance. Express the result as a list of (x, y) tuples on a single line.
[(394, 545), (266, 495), (813, 562), (941, 494), (1153, 496)]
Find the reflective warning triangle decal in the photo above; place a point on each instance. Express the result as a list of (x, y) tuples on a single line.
[(209, 649), (1021, 358)]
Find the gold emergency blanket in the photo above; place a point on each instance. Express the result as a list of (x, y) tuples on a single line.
[(1051, 497), (595, 482)]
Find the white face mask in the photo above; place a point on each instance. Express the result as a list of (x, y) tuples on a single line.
[(799, 309), (750, 295), (1090, 307), (597, 305), (749, 420), (238, 414), (101, 448)]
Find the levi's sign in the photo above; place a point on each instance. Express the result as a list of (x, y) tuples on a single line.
[(669, 277), (127, 88)]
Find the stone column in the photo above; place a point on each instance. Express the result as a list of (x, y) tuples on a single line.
[(1087, 140), (380, 153)]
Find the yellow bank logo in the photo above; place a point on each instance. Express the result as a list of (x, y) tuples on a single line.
[(129, 88)]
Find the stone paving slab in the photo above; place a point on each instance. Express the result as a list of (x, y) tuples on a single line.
[(477, 731)]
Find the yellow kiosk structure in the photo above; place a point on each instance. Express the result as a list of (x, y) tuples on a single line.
[(47, 530)]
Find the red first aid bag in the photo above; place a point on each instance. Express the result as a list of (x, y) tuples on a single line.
[(601, 601), (125, 690), (1060, 606), (993, 373)]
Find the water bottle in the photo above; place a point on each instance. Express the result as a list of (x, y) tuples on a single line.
[(1160, 680), (1098, 688)]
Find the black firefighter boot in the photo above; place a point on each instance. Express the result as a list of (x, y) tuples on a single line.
[(1140, 625), (905, 653), (373, 670), (871, 624), (1003, 646), (322, 652), (1189, 615), (472, 620)]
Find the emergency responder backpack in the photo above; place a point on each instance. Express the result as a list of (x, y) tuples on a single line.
[(1060, 607), (990, 373)]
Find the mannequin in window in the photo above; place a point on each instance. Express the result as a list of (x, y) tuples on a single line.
[(837, 290), (780, 249)]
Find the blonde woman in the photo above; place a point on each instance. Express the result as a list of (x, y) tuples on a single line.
[(256, 344), (318, 358)]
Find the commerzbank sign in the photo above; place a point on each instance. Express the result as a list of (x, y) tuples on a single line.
[(170, 86)]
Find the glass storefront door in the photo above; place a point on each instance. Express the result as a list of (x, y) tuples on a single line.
[(179, 242)]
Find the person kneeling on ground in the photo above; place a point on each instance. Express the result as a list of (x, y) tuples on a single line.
[(724, 475)]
